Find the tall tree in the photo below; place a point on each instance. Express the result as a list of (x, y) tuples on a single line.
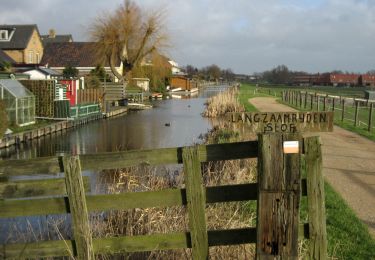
[(128, 35)]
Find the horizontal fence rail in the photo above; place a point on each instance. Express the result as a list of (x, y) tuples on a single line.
[(115, 160), (20, 198), (354, 111)]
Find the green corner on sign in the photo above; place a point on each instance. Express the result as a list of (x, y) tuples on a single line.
[(285, 122)]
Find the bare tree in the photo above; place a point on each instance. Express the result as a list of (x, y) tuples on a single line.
[(128, 35)]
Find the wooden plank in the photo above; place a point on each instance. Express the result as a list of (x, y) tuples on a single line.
[(77, 204), (316, 199), (37, 250), (125, 201), (114, 160), (33, 188), (278, 198), (196, 197), (30, 166), (123, 244), (342, 110), (284, 122)]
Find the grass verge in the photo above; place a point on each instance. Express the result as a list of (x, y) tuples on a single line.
[(248, 91), (348, 237)]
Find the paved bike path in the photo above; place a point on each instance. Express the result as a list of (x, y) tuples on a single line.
[(348, 164)]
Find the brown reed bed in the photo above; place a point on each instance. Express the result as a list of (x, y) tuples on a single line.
[(223, 103)]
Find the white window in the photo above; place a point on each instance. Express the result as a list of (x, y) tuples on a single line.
[(37, 57), (31, 54), (3, 35)]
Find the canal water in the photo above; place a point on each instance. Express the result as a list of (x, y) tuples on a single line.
[(171, 123)]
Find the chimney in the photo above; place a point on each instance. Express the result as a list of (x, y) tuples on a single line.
[(51, 33)]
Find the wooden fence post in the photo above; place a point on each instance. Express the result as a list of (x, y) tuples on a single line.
[(356, 119), (343, 110), (305, 100), (312, 101), (300, 99), (278, 198), (316, 199), (333, 104), (78, 209), (317, 103), (370, 117), (196, 203)]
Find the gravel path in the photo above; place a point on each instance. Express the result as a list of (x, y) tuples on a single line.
[(348, 164)]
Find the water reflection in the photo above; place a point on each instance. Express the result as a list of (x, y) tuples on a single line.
[(137, 130)]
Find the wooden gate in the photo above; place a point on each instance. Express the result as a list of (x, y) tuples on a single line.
[(278, 193)]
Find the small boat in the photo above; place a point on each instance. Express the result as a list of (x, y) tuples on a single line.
[(157, 95), (176, 89)]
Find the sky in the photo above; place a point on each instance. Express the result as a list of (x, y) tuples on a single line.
[(247, 36)]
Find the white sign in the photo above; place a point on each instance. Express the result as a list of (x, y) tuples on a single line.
[(291, 147)]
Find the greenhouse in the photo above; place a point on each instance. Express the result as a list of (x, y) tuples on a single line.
[(19, 102)]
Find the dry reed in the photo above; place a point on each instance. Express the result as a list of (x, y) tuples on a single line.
[(223, 103)]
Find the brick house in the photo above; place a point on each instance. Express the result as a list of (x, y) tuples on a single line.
[(344, 79), (22, 43), (367, 80)]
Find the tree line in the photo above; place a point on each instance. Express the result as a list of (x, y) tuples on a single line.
[(281, 74), (209, 73)]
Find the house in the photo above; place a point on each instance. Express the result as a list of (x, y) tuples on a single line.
[(72, 86), (143, 83), (52, 37), (303, 79), (81, 55), (183, 83), (175, 69), (367, 80), (344, 79), (41, 73), (22, 43)]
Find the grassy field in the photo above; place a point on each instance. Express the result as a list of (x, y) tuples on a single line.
[(38, 124), (348, 237), (357, 92), (248, 91)]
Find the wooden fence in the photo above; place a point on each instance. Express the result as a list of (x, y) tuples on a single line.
[(278, 194), (359, 112), (90, 95)]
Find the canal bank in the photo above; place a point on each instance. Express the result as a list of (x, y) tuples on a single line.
[(136, 130)]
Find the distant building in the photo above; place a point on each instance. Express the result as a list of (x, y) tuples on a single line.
[(143, 83), (22, 43), (344, 79), (367, 80), (303, 79), (52, 37), (182, 82), (41, 73), (327, 79)]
